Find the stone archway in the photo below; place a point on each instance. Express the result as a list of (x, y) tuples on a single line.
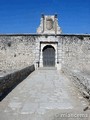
[(48, 56), (44, 46)]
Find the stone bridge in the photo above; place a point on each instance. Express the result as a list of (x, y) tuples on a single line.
[(46, 94)]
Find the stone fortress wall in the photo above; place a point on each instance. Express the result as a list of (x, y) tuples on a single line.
[(76, 52), (73, 54), (19, 51), (16, 52), (76, 61)]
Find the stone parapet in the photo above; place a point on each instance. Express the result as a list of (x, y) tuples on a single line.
[(9, 81)]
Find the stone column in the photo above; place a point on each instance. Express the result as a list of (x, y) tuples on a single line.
[(55, 20), (43, 21)]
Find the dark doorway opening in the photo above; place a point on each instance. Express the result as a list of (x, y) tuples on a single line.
[(48, 56)]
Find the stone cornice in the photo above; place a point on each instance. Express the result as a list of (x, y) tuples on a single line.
[(32, 34)]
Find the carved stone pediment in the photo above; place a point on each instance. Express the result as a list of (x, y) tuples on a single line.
[(49, 25)]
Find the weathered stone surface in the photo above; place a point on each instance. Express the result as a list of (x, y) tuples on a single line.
[(81, 81), (76, 60), (76, 52), (44, 95), (16, 52), (9, 81)]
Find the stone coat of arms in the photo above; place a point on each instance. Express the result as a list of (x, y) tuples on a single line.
[(49, 24)]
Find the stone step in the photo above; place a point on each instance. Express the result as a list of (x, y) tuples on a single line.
[(47, 68)]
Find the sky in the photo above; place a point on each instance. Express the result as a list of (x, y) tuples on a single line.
[(23, 16)]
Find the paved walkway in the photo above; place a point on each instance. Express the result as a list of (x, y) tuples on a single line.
[(44, 95)]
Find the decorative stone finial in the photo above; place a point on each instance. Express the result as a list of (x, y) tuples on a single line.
[(55, 15), (42, 15)]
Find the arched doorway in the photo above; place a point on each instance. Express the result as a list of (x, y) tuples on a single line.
[(48, 56)]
